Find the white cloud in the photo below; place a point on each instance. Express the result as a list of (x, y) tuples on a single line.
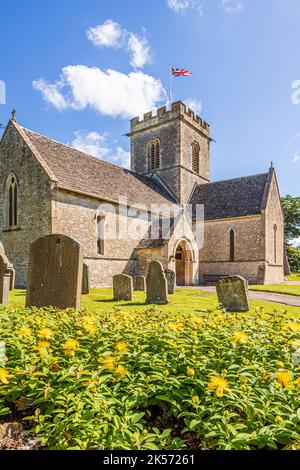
[(92, 143), (232, 6), (296, 157), (296, 241), (107, 34), (51, 93), (181, 6), (96, 144), (140, 51), (194, 105), (110, 92), (111, 34)]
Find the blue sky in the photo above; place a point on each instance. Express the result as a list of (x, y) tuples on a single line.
[(78, 70)]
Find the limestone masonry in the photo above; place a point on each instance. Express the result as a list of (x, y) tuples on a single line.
[(51, 188)]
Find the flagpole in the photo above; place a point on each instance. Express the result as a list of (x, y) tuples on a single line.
[(170, 84)]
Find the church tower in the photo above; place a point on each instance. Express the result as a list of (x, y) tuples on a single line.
[(172, 147)]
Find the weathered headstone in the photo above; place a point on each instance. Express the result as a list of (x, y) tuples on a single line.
[(85, 279), (54, 272), (139, 283), (171, 277), (5, 267), (12, 273), (156, 284), (233, 294), (123, 287)]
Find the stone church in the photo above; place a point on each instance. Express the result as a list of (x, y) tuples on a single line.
[(48, 187)]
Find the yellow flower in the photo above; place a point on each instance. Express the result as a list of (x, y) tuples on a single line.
[(278, 420), (293, 326), (284, 378), (46, 333), (70, 346), (239, 337), (121, 371), (108, 362), (91, 329), (246, 361), (24, 331), (190, 372), (297, 382), (79, 333), (88, 323), (3, 376), (244, 379), (42, 347), (219, 385), (279, 365), (196, 400), (121, 347)]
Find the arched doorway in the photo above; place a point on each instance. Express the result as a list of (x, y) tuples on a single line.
[(184, 265)]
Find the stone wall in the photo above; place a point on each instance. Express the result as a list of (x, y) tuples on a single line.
[(76, 215), (274, 246), (176, 130), (214, 257), (34, 196)]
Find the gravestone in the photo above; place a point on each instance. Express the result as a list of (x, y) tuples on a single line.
[(85, 279), (233, 294), (12, 273), (54, 272), (139, 283), (171, 277), (123, 287), (156, 284), (5, 275)]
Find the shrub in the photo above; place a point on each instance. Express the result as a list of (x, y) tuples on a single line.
[(149, 380)]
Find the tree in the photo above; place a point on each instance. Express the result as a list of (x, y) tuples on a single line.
[(291, 208)]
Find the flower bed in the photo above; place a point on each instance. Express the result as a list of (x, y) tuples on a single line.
[(116, 380)]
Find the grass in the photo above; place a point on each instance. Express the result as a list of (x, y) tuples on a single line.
[(290, 289), (294, 277), (184, 300)]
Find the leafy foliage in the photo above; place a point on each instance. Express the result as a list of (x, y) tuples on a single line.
[(291, 208), (153, 380), (294, 258)]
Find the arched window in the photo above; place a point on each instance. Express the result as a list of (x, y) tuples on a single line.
[(232, 245), (154, 154), (196, 157), (275, 242), (12, 201), (100, 234)]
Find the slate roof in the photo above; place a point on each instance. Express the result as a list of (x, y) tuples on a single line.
[(236, 197), (77, 171)]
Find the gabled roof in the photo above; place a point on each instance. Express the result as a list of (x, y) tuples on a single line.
[(76, 171), (238, 197)]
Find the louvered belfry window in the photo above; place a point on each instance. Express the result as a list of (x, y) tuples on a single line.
[(154, 155), (196, 157)]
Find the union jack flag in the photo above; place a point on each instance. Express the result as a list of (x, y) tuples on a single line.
[(180, 72)]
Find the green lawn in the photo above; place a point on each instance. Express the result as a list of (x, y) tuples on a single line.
[(183, 301), (294, 277), (278, 289)]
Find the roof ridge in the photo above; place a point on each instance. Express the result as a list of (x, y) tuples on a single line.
[(77, 150), (234, 179)]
